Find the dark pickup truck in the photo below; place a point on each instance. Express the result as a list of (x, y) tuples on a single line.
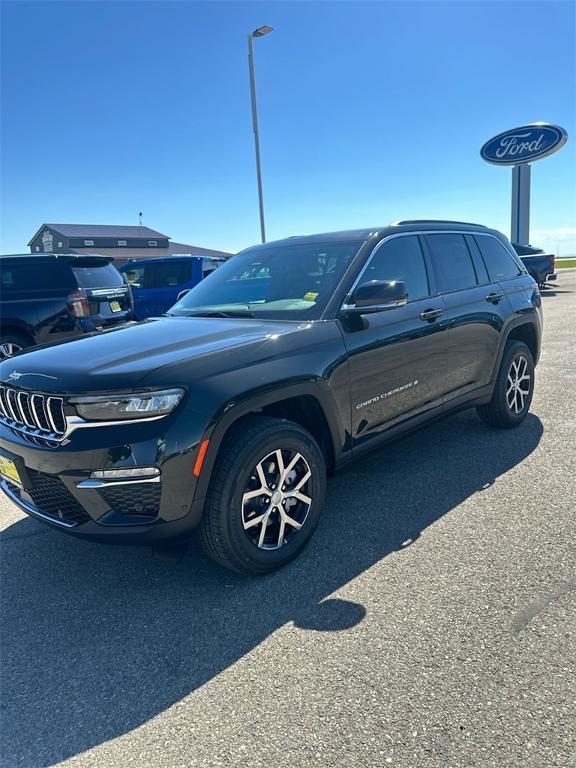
[(540, 265), (289, 361)]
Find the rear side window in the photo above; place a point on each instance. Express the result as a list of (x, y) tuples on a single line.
[(400, 259), (33, 276), (105, 276), (171, 274), (452, 262), (499, 263)]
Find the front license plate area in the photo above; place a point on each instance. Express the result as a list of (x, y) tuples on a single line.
[(9, 471), (13, 470)]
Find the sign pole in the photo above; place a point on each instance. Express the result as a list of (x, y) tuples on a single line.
[(520, 226)]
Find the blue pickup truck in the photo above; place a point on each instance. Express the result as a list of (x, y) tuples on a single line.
[(540, 265), (157, 283)]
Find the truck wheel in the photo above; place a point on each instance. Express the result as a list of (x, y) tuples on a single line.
[(265, 496), (513, 389), (11, 343)]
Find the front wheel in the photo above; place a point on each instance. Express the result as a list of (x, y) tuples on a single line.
[(10, 343), (265, 496), (513, 389)]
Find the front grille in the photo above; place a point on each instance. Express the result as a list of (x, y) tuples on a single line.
[(52, 499), (134, 498), (40, 416)]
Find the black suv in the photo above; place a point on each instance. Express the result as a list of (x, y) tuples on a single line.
[(287, 362), (51, 297)]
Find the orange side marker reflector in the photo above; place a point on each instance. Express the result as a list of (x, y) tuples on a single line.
[(200, 457)]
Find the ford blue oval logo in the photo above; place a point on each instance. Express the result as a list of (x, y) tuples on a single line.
[(524, 144)]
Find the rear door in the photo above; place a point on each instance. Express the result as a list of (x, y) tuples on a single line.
[(475, 307)]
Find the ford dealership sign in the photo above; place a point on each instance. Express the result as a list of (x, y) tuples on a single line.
[(524, 144)]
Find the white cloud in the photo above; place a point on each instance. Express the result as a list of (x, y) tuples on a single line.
[(559, 240)]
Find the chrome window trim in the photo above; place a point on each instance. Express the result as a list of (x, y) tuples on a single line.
[(416, 233)]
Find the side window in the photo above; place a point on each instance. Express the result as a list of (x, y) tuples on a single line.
[(135, 275), (30, 276), (499, 263), (171, 274), (452, 262), (400, 259)]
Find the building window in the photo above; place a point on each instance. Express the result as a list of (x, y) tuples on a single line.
[(152, 242), (59, 245), (122, 242), (37, 248), (88, 242)]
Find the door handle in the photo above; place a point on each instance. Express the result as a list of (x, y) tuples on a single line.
[(494, 297), (430, 314)]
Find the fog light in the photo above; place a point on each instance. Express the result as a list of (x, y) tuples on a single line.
[(123, 474)]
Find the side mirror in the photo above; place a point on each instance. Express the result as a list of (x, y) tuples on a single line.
[(182, 294), (377, 296)]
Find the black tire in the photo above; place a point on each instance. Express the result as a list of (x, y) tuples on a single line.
[(499, 412), (222, 532), (11, 343)]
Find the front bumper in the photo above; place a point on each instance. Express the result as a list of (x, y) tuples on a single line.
[(58, 490)]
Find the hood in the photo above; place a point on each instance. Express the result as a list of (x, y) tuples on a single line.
[(120, 358)]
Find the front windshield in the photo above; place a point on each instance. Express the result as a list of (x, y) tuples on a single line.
[(277, 281)]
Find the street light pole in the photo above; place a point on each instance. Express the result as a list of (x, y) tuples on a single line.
[(260, 32)]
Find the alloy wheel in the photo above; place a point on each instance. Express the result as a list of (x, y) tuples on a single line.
[(8, 348), (518, 384), (276, 500)]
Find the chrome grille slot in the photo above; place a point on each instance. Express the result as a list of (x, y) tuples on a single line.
[(11, 400), (55, 407), (36, 416), (39, 411), (24, 407)]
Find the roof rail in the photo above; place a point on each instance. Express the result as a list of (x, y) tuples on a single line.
[(436, 221)]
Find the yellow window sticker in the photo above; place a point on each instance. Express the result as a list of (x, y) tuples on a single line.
[(310, 296)]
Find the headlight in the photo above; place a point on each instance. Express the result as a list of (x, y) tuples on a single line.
[(122, 407)]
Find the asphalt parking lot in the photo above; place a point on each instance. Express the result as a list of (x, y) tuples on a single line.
[(430, 623)]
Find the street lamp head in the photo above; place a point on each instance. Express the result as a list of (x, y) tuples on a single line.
[(261, 31)]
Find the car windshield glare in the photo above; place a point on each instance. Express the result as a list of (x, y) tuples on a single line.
[(277, 281)]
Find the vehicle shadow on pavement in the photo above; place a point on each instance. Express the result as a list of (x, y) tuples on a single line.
[(97, 640)]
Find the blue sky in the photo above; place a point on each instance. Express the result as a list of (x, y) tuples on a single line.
[(369, 112)]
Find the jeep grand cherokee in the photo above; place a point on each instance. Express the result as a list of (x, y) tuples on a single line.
[(283, 365)]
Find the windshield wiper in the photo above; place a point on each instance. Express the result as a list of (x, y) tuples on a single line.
[(220, 313)]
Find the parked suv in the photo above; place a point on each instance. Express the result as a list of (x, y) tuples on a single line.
[(292, 359), (51, 297), (158, 283)]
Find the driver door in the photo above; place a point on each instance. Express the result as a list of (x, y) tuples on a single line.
[(397, 356)]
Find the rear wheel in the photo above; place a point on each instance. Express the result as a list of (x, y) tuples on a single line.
[(513, 389), (10, 343), (265, 496)]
